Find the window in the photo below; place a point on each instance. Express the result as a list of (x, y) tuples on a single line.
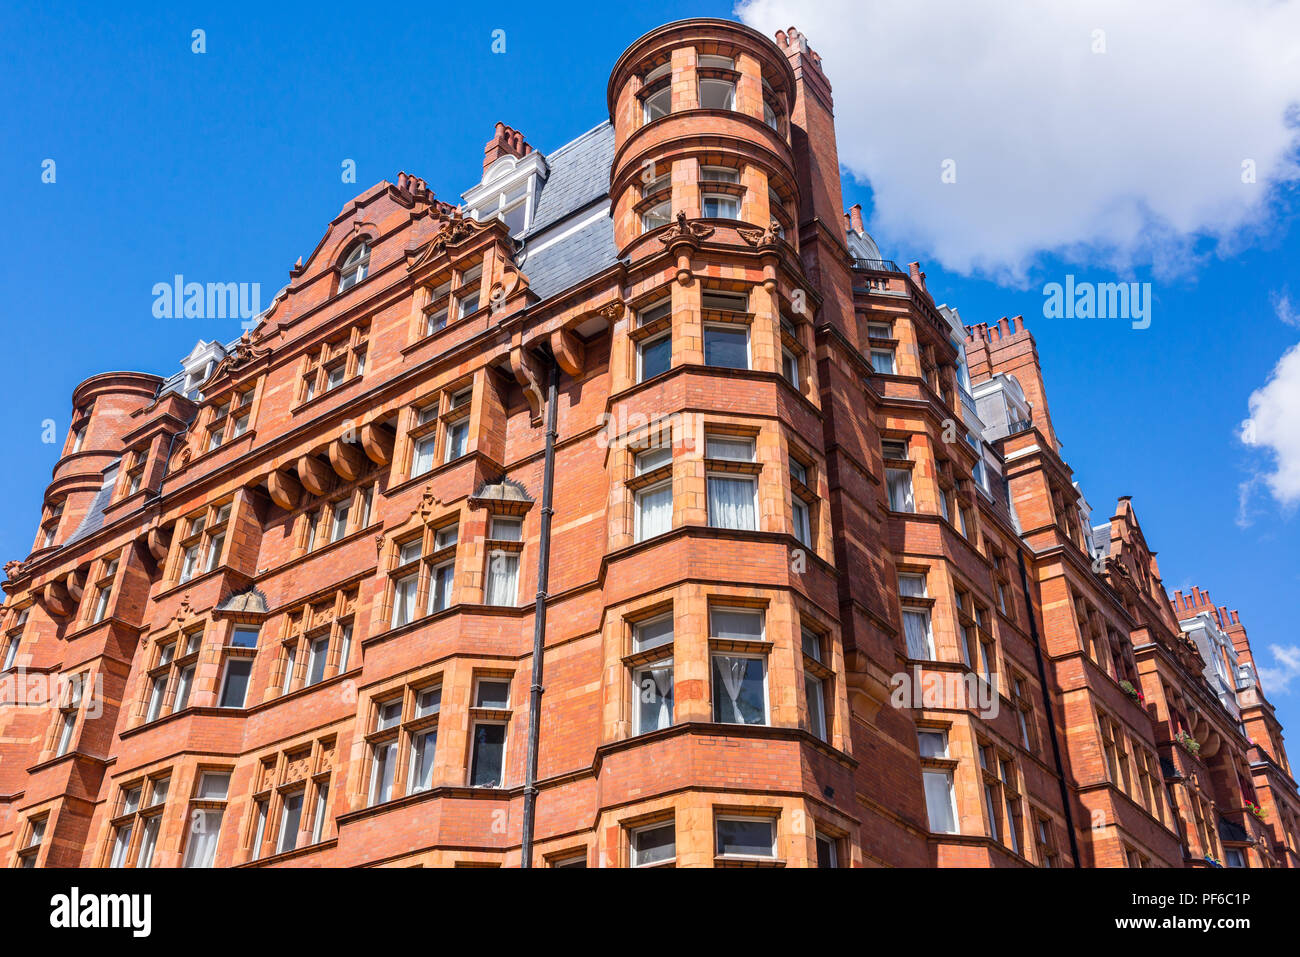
[(139, 812), (238, 667), (660, 214), (442, 580), (815, 680), (50, 524), (339, 519), (104, 590), (339, 360), (732, 482), (290, 821), (356, 266), (899, 485), (745, 837), (656, 93), (442, 423), (800, 511), (576, 859), (721, 206), (505, 540), (173, 669), (936, 778), (13, 639), (726, 345), (1233, 857), (916, 617), (654, 501), (468, 291), (205, 539), (69, 712), (424, 738), (487, 761), (653, 845), (1046, 843), (655, 339), (137, 459), (790, 368), (457, 439), (207, 809), (739, 679), (1012, 801), (719, 174), (717, 94), (882, 360), (652, 674), (31, 847)]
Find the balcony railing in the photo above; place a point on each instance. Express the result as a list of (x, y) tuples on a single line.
[(878, 265)]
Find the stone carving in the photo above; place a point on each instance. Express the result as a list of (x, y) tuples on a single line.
[(684, 229)]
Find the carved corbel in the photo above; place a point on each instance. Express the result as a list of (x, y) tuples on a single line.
[(76, 584), (347, 459), (284, 488), (569, 352), (159, 541), (56, 599), (314, 475), (377, 442), (529, 377)]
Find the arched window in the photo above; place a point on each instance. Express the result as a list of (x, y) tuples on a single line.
[(356, 266)]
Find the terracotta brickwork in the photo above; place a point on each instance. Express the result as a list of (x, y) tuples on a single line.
[(797, 612)]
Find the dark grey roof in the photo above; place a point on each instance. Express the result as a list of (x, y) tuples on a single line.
[(571, 259), (94, 519), (579, 175)]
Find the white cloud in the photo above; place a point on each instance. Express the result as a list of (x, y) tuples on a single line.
[(1274, 425), (1126, 157), (1284, 308), (1278, 680)]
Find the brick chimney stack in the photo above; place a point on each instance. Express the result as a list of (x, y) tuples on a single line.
[(855, 218), (506, 142)]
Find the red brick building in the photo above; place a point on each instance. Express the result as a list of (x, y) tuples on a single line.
[(812, 582)]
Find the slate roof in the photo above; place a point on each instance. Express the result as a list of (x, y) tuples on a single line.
[(94, 519), (571, 259), (579, 175)]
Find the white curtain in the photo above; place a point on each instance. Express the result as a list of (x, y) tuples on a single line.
[(916, 626), (938, 801), (900, 490), (503, 578), (731, 449), (655, 697), (205, 828), (732, 671), (404, 600), (731, 503), (654, 511)]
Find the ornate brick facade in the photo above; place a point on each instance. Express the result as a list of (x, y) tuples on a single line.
[(819, 588)]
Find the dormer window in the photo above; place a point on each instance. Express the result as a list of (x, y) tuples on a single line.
[(508, 192), (355, 267)]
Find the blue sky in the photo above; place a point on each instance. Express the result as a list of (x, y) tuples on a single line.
[(225, 166)]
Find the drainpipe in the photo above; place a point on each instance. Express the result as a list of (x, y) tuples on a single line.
[(539, 621), (1047, 705)]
